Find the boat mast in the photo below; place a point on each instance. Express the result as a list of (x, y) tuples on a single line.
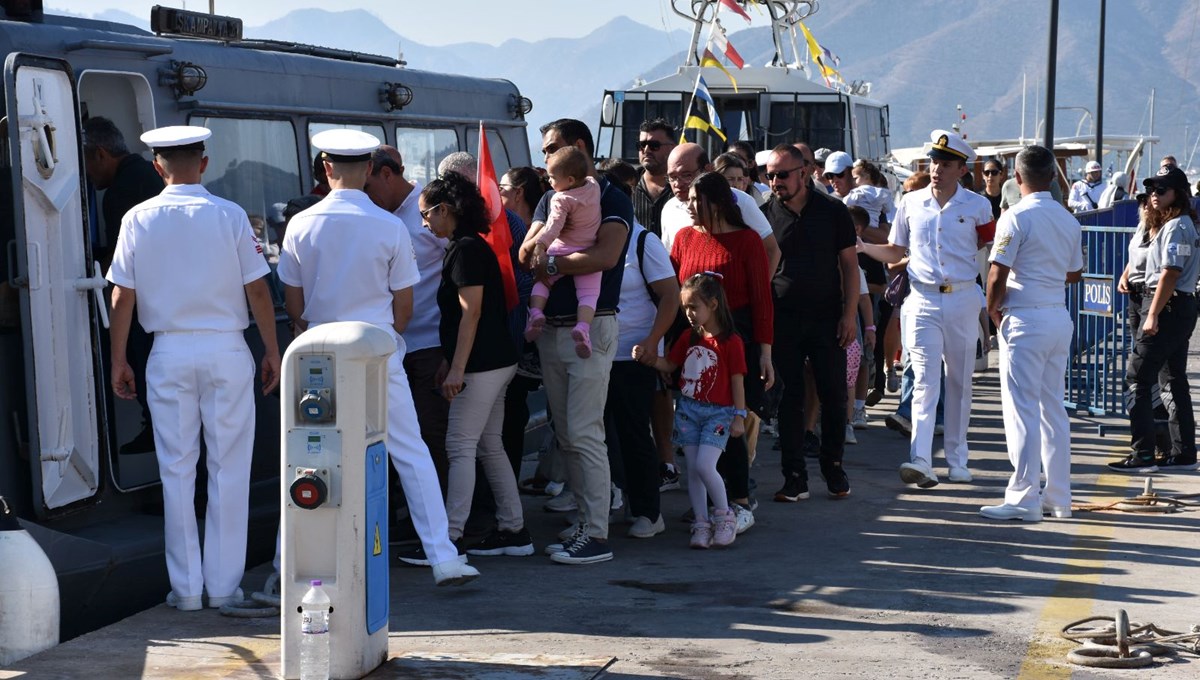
[(1100, 87), (1051, 72)]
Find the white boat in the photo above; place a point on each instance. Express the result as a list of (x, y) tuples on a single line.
[(772, 104)]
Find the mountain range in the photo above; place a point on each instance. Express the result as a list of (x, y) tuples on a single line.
[(923, 57)]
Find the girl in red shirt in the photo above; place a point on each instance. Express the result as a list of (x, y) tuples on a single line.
[(712, 404)]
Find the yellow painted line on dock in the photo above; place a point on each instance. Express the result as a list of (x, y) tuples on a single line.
[(1072, 598)]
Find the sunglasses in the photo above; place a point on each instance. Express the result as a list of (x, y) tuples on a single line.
[(831, 175), (990, 173), (781, 174), (425, 212), (652, 144), (1160, 190)]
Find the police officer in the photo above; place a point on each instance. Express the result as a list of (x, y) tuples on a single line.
[(347, 259), (189, 261), (1038, 247), (1167, 242), (941, 227)]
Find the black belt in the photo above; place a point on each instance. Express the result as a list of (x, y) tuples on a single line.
[(1149, 292)]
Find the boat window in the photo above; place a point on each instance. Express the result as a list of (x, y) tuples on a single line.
[(423, 148), (818, 124), (254, 163), (870, 131), (495, 145)]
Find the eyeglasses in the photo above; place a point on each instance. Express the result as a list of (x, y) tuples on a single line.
[(1160, 190), (425, 212), (781, 174), (831, 175), (991, 173), (652, 144), (682, 178)]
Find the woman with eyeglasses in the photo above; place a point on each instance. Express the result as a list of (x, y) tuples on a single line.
[(480, 360), (994, 175), (520, 190), (721, 242), (1160, 279)]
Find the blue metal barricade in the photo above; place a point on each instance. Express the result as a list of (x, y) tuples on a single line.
[(1102, 341)]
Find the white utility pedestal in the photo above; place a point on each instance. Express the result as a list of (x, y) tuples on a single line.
[(335, 491)]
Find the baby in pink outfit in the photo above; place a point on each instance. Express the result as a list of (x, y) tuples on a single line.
[(571, 226)]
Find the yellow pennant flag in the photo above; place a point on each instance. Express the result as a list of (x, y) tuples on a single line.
[(710, 60), (815, 50)]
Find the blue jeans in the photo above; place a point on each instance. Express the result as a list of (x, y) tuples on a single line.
[(906, 394)]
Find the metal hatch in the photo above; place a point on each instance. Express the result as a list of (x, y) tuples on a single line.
[(58, 282)]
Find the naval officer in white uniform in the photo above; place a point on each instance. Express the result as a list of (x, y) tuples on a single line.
[(347, 259), (1037, 251), (190, 262), (941, 227)]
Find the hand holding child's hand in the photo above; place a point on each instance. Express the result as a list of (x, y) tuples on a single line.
[(738, 428)]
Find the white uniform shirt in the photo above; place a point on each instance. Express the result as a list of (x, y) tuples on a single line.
[(637, 311), (875, 200), (675, 216), (348, 255), (1041, 242), (189, 255), (942, 241), (422, 329), (1084, 197)]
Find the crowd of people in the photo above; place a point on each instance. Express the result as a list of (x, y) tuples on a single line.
[(673, 312)]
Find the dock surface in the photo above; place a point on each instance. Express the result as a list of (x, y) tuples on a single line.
[(892, 582)]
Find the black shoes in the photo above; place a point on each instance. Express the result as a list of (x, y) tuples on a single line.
[(835, 479), (1134, 465), (502, 542), (1178, 462), (794, 489)]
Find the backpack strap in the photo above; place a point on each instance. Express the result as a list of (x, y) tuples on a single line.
[(641, 253)]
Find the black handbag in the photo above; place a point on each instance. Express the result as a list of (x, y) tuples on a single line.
[(897, 289)]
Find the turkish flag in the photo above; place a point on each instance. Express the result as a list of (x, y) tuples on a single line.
[(499, 237)]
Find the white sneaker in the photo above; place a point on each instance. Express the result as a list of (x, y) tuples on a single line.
[(617, 498), (454, 573), (919, 474), (859, 419), (850, 436), (1006, 511), (218, 602), (643, 528), (743, 516), (1055, 511), (960, 475), (563, 502), (193, 603), (555, 488)]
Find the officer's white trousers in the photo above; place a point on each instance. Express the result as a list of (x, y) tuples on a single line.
[(203, 379), (937, 328), (1034, 346), (413, 463)]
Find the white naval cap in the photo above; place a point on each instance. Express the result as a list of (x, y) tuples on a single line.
[(950, 146), (345, 146), (176, 137), (837, 162)]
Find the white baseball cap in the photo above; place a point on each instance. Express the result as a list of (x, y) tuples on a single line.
[(1092, 166), (837, 163)]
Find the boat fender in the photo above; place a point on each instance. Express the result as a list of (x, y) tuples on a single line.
[(28, 593)]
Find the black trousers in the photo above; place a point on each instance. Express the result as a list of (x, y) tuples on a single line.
[(879, 380), (632, 456), (1162, 357), (797, 339)]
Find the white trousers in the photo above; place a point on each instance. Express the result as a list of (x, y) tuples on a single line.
[(414, 464), (941, 328), (203, 380), (1034, 346)]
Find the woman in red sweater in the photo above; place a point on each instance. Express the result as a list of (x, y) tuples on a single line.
[(720, 241)]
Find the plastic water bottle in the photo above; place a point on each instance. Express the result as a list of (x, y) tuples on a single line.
[(314, 638)]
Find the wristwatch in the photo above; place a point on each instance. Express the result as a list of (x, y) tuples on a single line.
[(740, 412), (551, 266)]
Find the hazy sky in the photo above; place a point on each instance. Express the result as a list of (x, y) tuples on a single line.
[(440, 22)]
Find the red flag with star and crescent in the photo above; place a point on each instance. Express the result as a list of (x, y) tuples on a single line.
[(498, 237)]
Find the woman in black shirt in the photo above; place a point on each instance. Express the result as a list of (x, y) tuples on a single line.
[(480, 361)]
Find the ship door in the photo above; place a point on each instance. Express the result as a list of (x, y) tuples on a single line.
[(58, 281)]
